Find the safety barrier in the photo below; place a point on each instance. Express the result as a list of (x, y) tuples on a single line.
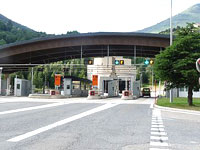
[(93, 94), (127, 95)]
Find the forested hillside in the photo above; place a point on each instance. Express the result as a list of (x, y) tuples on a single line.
[(10, 33), (191, 15)]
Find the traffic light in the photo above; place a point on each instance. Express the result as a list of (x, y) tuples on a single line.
[(90, 62), (119, 62), (116, 62), (146, 62), (151, 62)]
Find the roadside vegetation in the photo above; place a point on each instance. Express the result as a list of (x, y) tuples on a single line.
[(180, 103), (177, 63)]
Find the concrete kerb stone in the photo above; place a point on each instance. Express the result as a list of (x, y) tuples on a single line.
[(191, 112)]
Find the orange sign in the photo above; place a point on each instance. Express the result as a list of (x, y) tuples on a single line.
[(57, 79), (95, 80)]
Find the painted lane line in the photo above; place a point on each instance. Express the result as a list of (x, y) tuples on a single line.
[(3, 102), (153, 121), (158, 133), (156, 123), (159, 144), (159, 138), (158, 149), (158, 118), (151, 106), (31, 108), (157, 126), (62, 122), (157, 129)]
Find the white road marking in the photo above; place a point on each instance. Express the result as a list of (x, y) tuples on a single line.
[(156, 123), (159, 138), (158, 133), (151, 106), (31, 108), (157, 126), (157, 129), (156, 120), (158, 149), (3, 102), (62, 122), (158, 144)]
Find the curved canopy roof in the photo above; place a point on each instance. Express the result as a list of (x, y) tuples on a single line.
[(56, 48)]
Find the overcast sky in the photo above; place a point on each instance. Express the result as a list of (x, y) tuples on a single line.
[(60, 16)]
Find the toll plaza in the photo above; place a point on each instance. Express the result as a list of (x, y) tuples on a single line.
[(112, 76), (110, 73)]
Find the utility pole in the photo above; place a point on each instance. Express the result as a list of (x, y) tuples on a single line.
[(0, 78), (171, 42), (32, 81)]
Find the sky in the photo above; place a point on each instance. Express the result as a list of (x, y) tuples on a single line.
[(60, 16)]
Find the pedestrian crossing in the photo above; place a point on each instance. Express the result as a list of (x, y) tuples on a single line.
[(158, 138)]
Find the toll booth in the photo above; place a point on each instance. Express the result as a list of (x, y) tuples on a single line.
[(136, 88), (113, 88), (22, 87), (67, 86), (3, 87), (115, 74), (75, 86)]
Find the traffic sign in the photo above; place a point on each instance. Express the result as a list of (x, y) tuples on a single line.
[(95, 80), (198, 65), (57, 79)]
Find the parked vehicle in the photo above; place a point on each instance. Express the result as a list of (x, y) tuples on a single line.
[(146, 92)]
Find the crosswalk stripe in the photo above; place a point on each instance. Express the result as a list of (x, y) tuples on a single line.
[(158, 144), (159, 138)]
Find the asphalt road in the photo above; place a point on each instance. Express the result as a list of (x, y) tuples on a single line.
[(80, 124)]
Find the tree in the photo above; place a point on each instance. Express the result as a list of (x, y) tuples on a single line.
[(176, 64)]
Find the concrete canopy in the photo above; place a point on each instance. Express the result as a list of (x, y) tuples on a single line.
[(62, 47)]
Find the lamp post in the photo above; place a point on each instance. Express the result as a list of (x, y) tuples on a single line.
[(171, 42), (0, 78), (171, 28)]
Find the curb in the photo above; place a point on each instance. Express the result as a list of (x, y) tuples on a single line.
[(191, 112)]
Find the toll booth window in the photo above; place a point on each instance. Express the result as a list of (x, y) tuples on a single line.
[(68, 86), (18, 86)]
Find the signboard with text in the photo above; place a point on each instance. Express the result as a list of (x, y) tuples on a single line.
[(57, 79), (95, 80)]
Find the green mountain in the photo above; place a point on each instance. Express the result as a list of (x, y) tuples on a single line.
[(11, 31), (6, 20), (191, 15)]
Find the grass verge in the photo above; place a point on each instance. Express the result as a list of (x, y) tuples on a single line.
[(180, 103)]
